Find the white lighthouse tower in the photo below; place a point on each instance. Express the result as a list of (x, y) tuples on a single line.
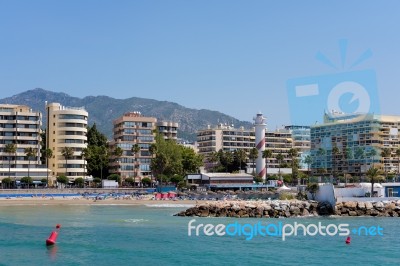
[(260, 125)]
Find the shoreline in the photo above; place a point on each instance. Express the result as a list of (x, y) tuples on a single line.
[(37, 201)]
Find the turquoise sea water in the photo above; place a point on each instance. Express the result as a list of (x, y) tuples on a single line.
[(143, 235)]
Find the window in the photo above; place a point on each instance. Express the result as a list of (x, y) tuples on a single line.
[(390, 192)]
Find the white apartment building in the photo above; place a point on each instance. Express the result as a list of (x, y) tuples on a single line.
[(66, 127), (20, 126)]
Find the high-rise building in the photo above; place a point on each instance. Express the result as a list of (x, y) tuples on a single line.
[(226, 138), (279, 141), (20, 126), (133, 130), (301, 137), (359, 141), (66, 128), (168, 129)]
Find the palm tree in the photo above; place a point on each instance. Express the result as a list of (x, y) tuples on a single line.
[(30, 152), (48, 153), (253, 155), (135, 149), (386, 153), (335, 153), (372, 153), (359, 154), (228, 159), (213, 158), (103, 158), (398, 161), (320, 153), (67, 153), (374, 174), (293, 154), (308, 160), (266, 154), (152, 151), (348, 156), (118, 151), (241, 157), (10, 148), (279, 157)]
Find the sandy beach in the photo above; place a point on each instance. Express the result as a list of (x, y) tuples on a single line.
[(85, 201)]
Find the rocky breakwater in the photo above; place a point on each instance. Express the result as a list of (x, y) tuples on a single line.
[(258, 209), (380, 208)]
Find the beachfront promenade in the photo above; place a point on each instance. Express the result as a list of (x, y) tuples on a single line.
[(39, 191)]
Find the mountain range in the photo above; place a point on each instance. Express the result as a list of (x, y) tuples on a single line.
[(103, 110)]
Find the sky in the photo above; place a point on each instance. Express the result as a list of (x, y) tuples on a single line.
[(231, 56)]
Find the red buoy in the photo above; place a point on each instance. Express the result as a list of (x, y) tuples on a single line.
[(53, 236), (348, 240)]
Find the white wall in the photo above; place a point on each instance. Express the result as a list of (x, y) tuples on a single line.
[(326, 193)]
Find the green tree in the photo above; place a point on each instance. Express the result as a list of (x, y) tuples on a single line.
[(308, 160), (7, 181), (266, 154), (372, 153), (374, 174), (117, 154), (279, 158), (294, 154), (95, 157), (359, 155), (257, 179), (102, 156), (67, 153), (95, 137), (312, 188), (398, 160), (168, 158), (30, 152), (321, 154), (79, 182), (27, 180), (241, 157), (226, 159), (335, 153), (48, 153), (129, 181), (253, 155), (62, 179), (146, 181), (10, 148), (213, 158), (96, 181), (176, 179), (386, 153), (135, 149), (114, 177), (191, 161)]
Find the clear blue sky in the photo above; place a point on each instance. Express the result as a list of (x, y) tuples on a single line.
[(230, 56)]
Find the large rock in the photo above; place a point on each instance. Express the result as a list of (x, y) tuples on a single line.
[(295, 210), (379, 205), (350, 205), (204, 213), (368, 205), (361, 205), (374, 212), (352, 213), (324, 208), (306, 205)]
